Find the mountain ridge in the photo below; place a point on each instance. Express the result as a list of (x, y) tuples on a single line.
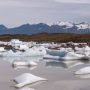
[(60, 27)]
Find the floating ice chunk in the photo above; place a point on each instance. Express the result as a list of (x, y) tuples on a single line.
[(27, 53), (85, 70), (26, 79), (11, 53), (2, 49), (15, 41), (78, 49), (20, 67), (23, 63), (32, 63), (51, 57), (19, 63), (60, 53), (87, 48), (73, 56), (26, 88), (23, 47), (31, 68), (84, 76), (67, 56)]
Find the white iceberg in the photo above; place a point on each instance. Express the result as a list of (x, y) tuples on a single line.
[(60, 53), (67, 56), (32, 63), (15, 42), (21, 67), (51, 57), (26, 88), (85, 76), (85, 70), (64, 54), (84, 51), (2, 49), (11, 53), (27, 53), (23, 63), (73, 56), (26, 79), (22, 47)]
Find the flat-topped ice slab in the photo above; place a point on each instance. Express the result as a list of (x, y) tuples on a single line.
[(23, 63), (26, 88), (26, 79), (85, 70)]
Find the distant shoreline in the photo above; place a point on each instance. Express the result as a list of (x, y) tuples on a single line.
[(45, 37)]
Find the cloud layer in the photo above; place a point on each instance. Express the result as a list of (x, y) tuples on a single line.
[(16, 12), (74, 1), (35, 3)]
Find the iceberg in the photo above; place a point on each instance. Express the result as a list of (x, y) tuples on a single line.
[(85, 70), (22, 47), (51, 57), (26, 88), (67, 56), (84, 51), (27, 53), (52, 52), (26, 79), (11, 53), (2, 49), (73, 56), (23, 63), (85, 76)]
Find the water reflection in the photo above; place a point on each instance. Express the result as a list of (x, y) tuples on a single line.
[(49, 62), (84, 76), (21, 67), (11, 59), (26, 88), (64, 64), (22, 59)]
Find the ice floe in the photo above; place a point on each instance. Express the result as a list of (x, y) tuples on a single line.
[(23, 63), (84, 70), (26, 79)]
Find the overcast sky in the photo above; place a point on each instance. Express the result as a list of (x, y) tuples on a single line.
[(16, 12)]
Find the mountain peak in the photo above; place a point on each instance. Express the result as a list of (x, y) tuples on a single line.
[(2, 27), (83, 25), (65, 23)]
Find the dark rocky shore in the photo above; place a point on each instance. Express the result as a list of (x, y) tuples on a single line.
[(45, 37)]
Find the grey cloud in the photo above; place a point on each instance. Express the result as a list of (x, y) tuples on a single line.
[(16, 12), (25, 3), (73, 1)]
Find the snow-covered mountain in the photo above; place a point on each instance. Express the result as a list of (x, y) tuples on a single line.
[(66, 24), (83, 26), (60, 27)]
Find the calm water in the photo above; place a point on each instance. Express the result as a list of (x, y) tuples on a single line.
[(49, 62), (60, 74), (11, 59)]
